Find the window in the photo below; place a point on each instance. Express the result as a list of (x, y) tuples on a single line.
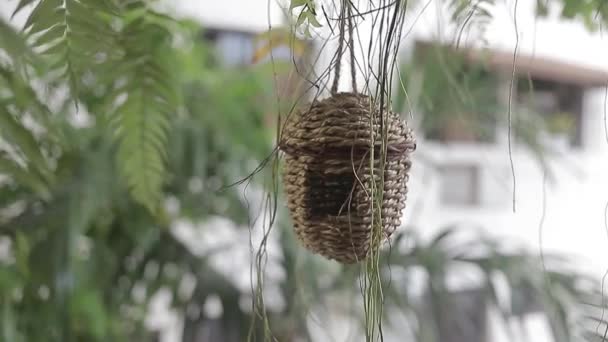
[(233, 47), (459, 185), (560, 105)]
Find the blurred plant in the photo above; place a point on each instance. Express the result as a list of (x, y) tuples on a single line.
[(561, 123), (512, 282), (458, 98), (108, 111), (458, 101), (122, 50)]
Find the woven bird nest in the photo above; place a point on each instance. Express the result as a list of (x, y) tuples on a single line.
[(328, 174)]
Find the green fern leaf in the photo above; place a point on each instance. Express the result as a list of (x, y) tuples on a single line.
[(22, 176), (73, 34), (142, 121), (12, 131), (14, 46), (21, 5)]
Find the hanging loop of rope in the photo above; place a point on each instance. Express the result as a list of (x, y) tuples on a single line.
[(345, 15), (351, 44)]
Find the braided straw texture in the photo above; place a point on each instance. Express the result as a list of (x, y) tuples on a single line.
[(327, 174)]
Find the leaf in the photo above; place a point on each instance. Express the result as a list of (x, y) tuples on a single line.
[(20, 6), (447, 233), (301, 18), (22, 176), (13, 132), (297, 3), (142, 121), (55, 32), (276, 38), (312, 19), (72, 34), (42, 12), (105, 6), (22, 252), (14, 44)]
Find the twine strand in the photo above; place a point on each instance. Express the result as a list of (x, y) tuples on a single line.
[(346, 7), (351, 42), (334, 87)]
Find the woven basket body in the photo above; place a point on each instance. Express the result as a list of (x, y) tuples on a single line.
[(328, 174)]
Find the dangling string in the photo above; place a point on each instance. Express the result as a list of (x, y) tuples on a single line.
[(351, 43), (346, 6), (334, 87)]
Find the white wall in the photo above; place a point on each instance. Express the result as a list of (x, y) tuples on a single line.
[(242, 15)]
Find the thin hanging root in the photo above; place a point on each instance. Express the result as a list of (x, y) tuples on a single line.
[(510, 110), (372, 279)]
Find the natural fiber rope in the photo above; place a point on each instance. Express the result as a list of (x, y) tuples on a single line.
[(334, 87), (351, 42), (346, 7)]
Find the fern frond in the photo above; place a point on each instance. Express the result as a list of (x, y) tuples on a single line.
[(20, 102), (22, 140), (14, 46), (142, 121), (22, 176), (76, 35)]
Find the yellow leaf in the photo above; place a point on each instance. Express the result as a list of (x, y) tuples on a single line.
[(270, 40)]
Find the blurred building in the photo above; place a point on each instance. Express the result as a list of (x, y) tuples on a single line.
[(458, 179), (467, 180)]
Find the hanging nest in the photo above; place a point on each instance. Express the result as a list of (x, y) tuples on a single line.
[(328, 175)]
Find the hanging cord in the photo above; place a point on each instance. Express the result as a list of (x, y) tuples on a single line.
[(351, 45), (346, 6), (334, 87)]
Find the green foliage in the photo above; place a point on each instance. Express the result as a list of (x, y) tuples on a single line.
[(458, 101), (590, 12), (75, 35), (307, 14), (142, 120), (125, 51), (14, 45), (82, 205), (448, 89)]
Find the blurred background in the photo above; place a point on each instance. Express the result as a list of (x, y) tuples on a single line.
[(126, 127)]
